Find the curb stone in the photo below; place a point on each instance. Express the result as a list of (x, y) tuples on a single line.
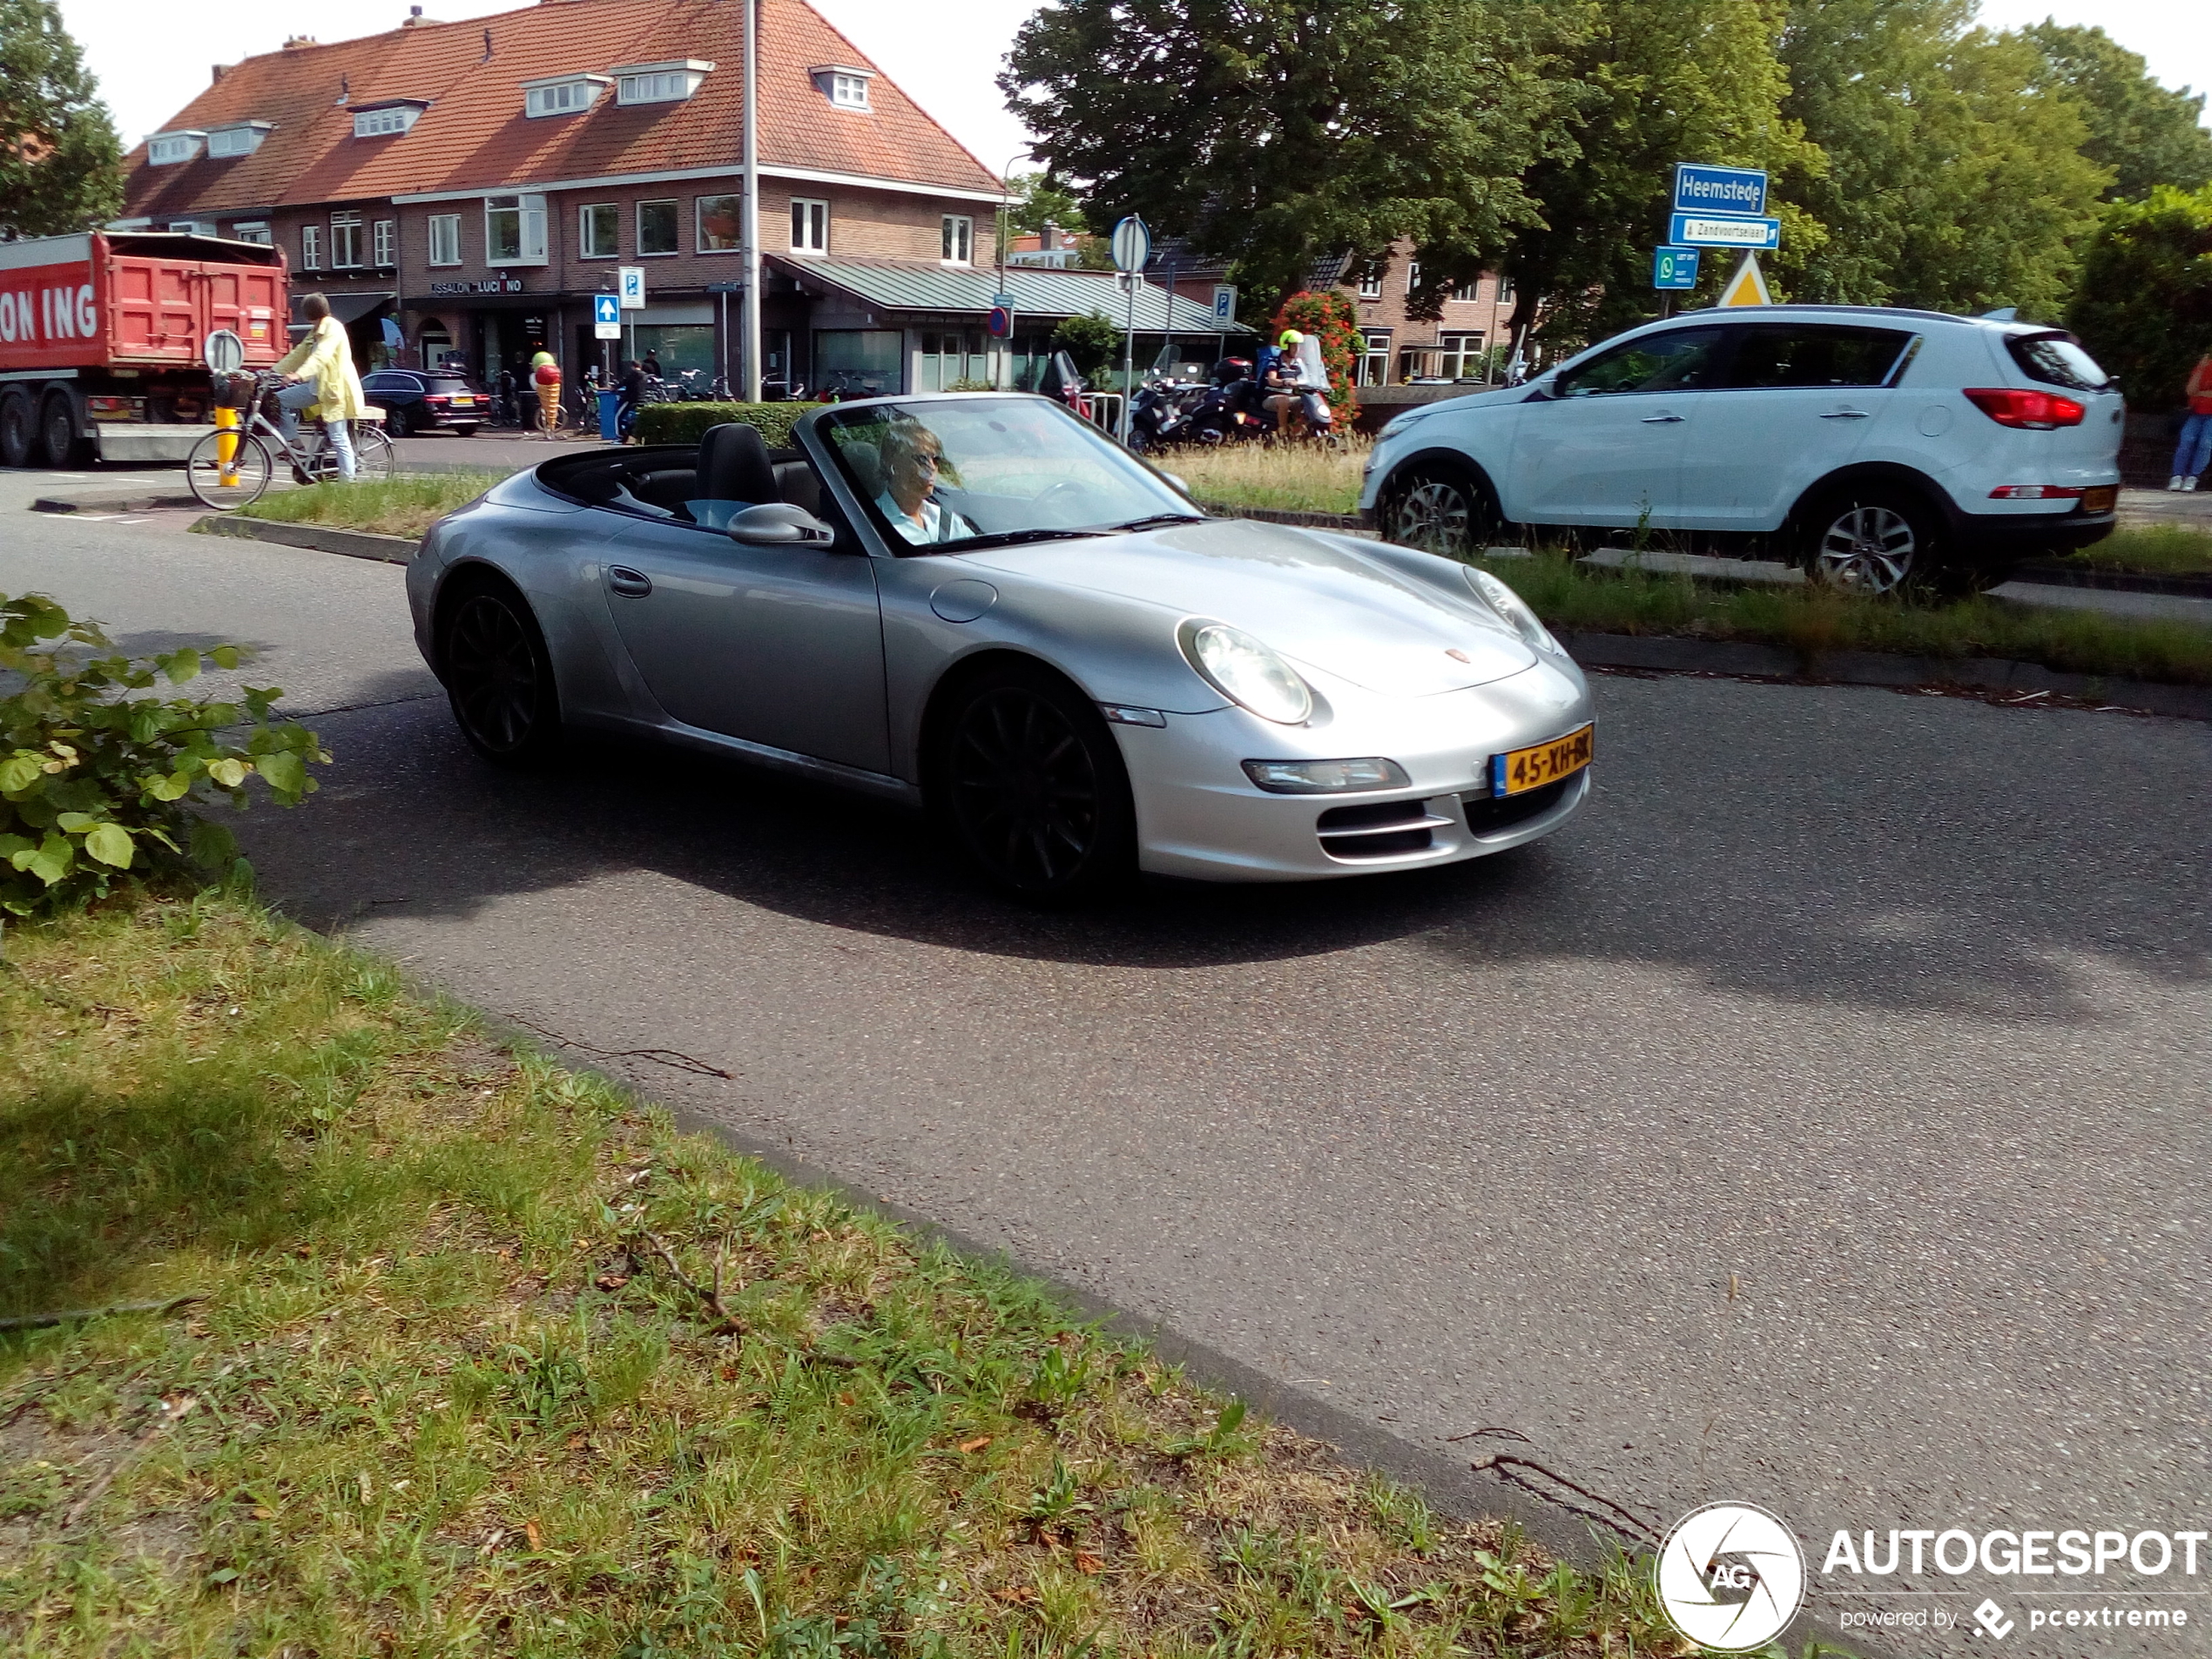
[(356, 544)]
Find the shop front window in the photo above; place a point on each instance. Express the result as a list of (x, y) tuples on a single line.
[(860, 362)]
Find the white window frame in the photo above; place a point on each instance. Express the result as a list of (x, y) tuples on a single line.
[(445, 228), (194, 226), (344, 242), (699, 226), (1371, 282), (243, 140), (386, 123), (1505, 290), (1413, 275), (957, 242), (311, 248), (674, 203), (568, 95), (1468, 294), (583, 245), (169, 149), (849, 91), (384, 244), (665, 83), (529, 230), (810, 224), (251, 230)]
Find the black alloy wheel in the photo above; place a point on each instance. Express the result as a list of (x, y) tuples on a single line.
[(499, 679), (18, 427), (1440, 507), (1032, 787)]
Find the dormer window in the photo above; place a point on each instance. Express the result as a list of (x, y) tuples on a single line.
[(167, 149), (564, 95), (669, 83), (846, 88), (241, 140), (388, 118)]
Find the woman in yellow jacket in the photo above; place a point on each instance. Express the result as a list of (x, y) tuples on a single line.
[(323, 378)]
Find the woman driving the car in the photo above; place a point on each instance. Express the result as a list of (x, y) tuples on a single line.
[(913, 456)]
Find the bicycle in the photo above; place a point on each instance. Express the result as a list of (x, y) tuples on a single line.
[(252, 467)]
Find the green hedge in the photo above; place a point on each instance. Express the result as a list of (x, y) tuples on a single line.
[(684, 422)]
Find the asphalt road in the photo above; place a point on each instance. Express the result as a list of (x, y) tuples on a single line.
[(1819, 1120)]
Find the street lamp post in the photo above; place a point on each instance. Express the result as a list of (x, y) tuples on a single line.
[(750, 232)]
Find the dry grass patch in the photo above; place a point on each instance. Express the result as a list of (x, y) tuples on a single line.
[(488, 1356), (1291, 478)]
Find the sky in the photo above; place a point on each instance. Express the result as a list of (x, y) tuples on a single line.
[(152, 55)]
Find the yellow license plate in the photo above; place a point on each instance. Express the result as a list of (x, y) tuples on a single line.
[(469, 401), (2099, 499), (1519, 771)]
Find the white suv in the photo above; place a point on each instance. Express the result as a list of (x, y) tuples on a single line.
[(1879, 448)]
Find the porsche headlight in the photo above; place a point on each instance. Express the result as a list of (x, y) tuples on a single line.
[(1514, 609), (1246, 671)]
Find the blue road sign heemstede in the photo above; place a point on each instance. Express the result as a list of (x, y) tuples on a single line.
[(1700, 188)]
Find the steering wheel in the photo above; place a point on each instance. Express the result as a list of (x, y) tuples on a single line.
[(1062, 499)]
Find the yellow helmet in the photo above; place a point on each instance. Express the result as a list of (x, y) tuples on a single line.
[(1290, 337)]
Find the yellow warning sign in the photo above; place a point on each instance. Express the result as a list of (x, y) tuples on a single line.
[(1747, 286)]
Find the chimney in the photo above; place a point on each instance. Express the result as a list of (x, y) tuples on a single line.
[(416, 20), (219, 68), (299, 43), (1048, 237)]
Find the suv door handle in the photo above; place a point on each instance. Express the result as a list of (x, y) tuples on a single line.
[(631, 584), (1659, 420), (1844, 415)]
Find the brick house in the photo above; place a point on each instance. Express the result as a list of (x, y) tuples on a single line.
[(1403, 350), (460, 192)]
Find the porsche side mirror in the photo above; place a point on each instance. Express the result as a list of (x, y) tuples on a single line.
[(780, 524)]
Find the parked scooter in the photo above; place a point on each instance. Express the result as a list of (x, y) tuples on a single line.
[(1061, 380), (1162, 415), (1229, 410)]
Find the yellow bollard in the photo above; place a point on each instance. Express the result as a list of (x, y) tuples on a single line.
[(226, 445)]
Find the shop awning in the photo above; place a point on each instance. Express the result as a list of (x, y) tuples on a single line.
[(346, 308), (1043, 293)]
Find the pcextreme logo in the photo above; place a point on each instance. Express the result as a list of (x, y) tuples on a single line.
[(1731, 1577)]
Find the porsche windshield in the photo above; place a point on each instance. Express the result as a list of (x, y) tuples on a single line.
[(956, 473)]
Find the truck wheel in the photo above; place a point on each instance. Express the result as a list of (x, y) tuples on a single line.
[(57, 439), (17, 428)]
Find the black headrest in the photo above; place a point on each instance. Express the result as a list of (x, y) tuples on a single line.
[(734, 465)]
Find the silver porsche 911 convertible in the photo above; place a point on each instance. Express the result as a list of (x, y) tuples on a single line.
[(980, 605)]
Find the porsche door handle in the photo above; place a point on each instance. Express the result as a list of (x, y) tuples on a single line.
[(1846, 414), (1660, 420), (631, 584)]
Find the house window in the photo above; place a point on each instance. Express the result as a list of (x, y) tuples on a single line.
[(514, 230), (1412, 276), (381, 124), (1371, 278), (848, 91), (384, 244), (669, 83), (1373, 366), (656, 228), (166, 149), (238, 140), (251, 230), (597, 230), (561, 97), (1468, 293), (193, 227), (445, 239), (809, 225), (345, 240), (311, 248), (720, 227), (959, 240), (1505, 290)]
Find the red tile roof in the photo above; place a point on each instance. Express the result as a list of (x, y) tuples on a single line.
[(474, 135)]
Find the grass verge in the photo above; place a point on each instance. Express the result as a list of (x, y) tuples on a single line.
[(483, 1353), (406, 505), (1294, 478), (2152, 549), (1814, 620)]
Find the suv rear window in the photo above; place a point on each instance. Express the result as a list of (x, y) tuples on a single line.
[(2057, 360)]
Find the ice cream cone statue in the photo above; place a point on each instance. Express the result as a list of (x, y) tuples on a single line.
[(546, 375)]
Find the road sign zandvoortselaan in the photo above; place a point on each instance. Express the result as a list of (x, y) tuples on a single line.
[(1703, 188), (1722, 230)]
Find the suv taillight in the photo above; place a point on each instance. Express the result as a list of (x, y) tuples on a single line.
[(2036, 411)]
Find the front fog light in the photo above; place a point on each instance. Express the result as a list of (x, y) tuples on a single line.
[(1326, 777), (1514, 610)]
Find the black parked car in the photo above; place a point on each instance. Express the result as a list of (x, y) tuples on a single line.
[(417, 399)]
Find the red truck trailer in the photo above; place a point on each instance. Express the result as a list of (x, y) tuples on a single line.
[(103, 340)]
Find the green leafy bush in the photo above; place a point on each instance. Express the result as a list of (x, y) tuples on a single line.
[(686, 422), (94, 781)]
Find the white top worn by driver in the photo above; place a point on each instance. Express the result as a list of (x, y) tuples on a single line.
[(935, 524)]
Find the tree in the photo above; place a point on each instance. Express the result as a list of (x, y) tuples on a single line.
[(1653, 83), (2145, 306), (1271, 132), (1953, 179), (2144, 134), (1040, 199), (1092, 340), (61, 168)]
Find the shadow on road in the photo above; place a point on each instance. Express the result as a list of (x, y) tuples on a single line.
[(1739, 835)]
